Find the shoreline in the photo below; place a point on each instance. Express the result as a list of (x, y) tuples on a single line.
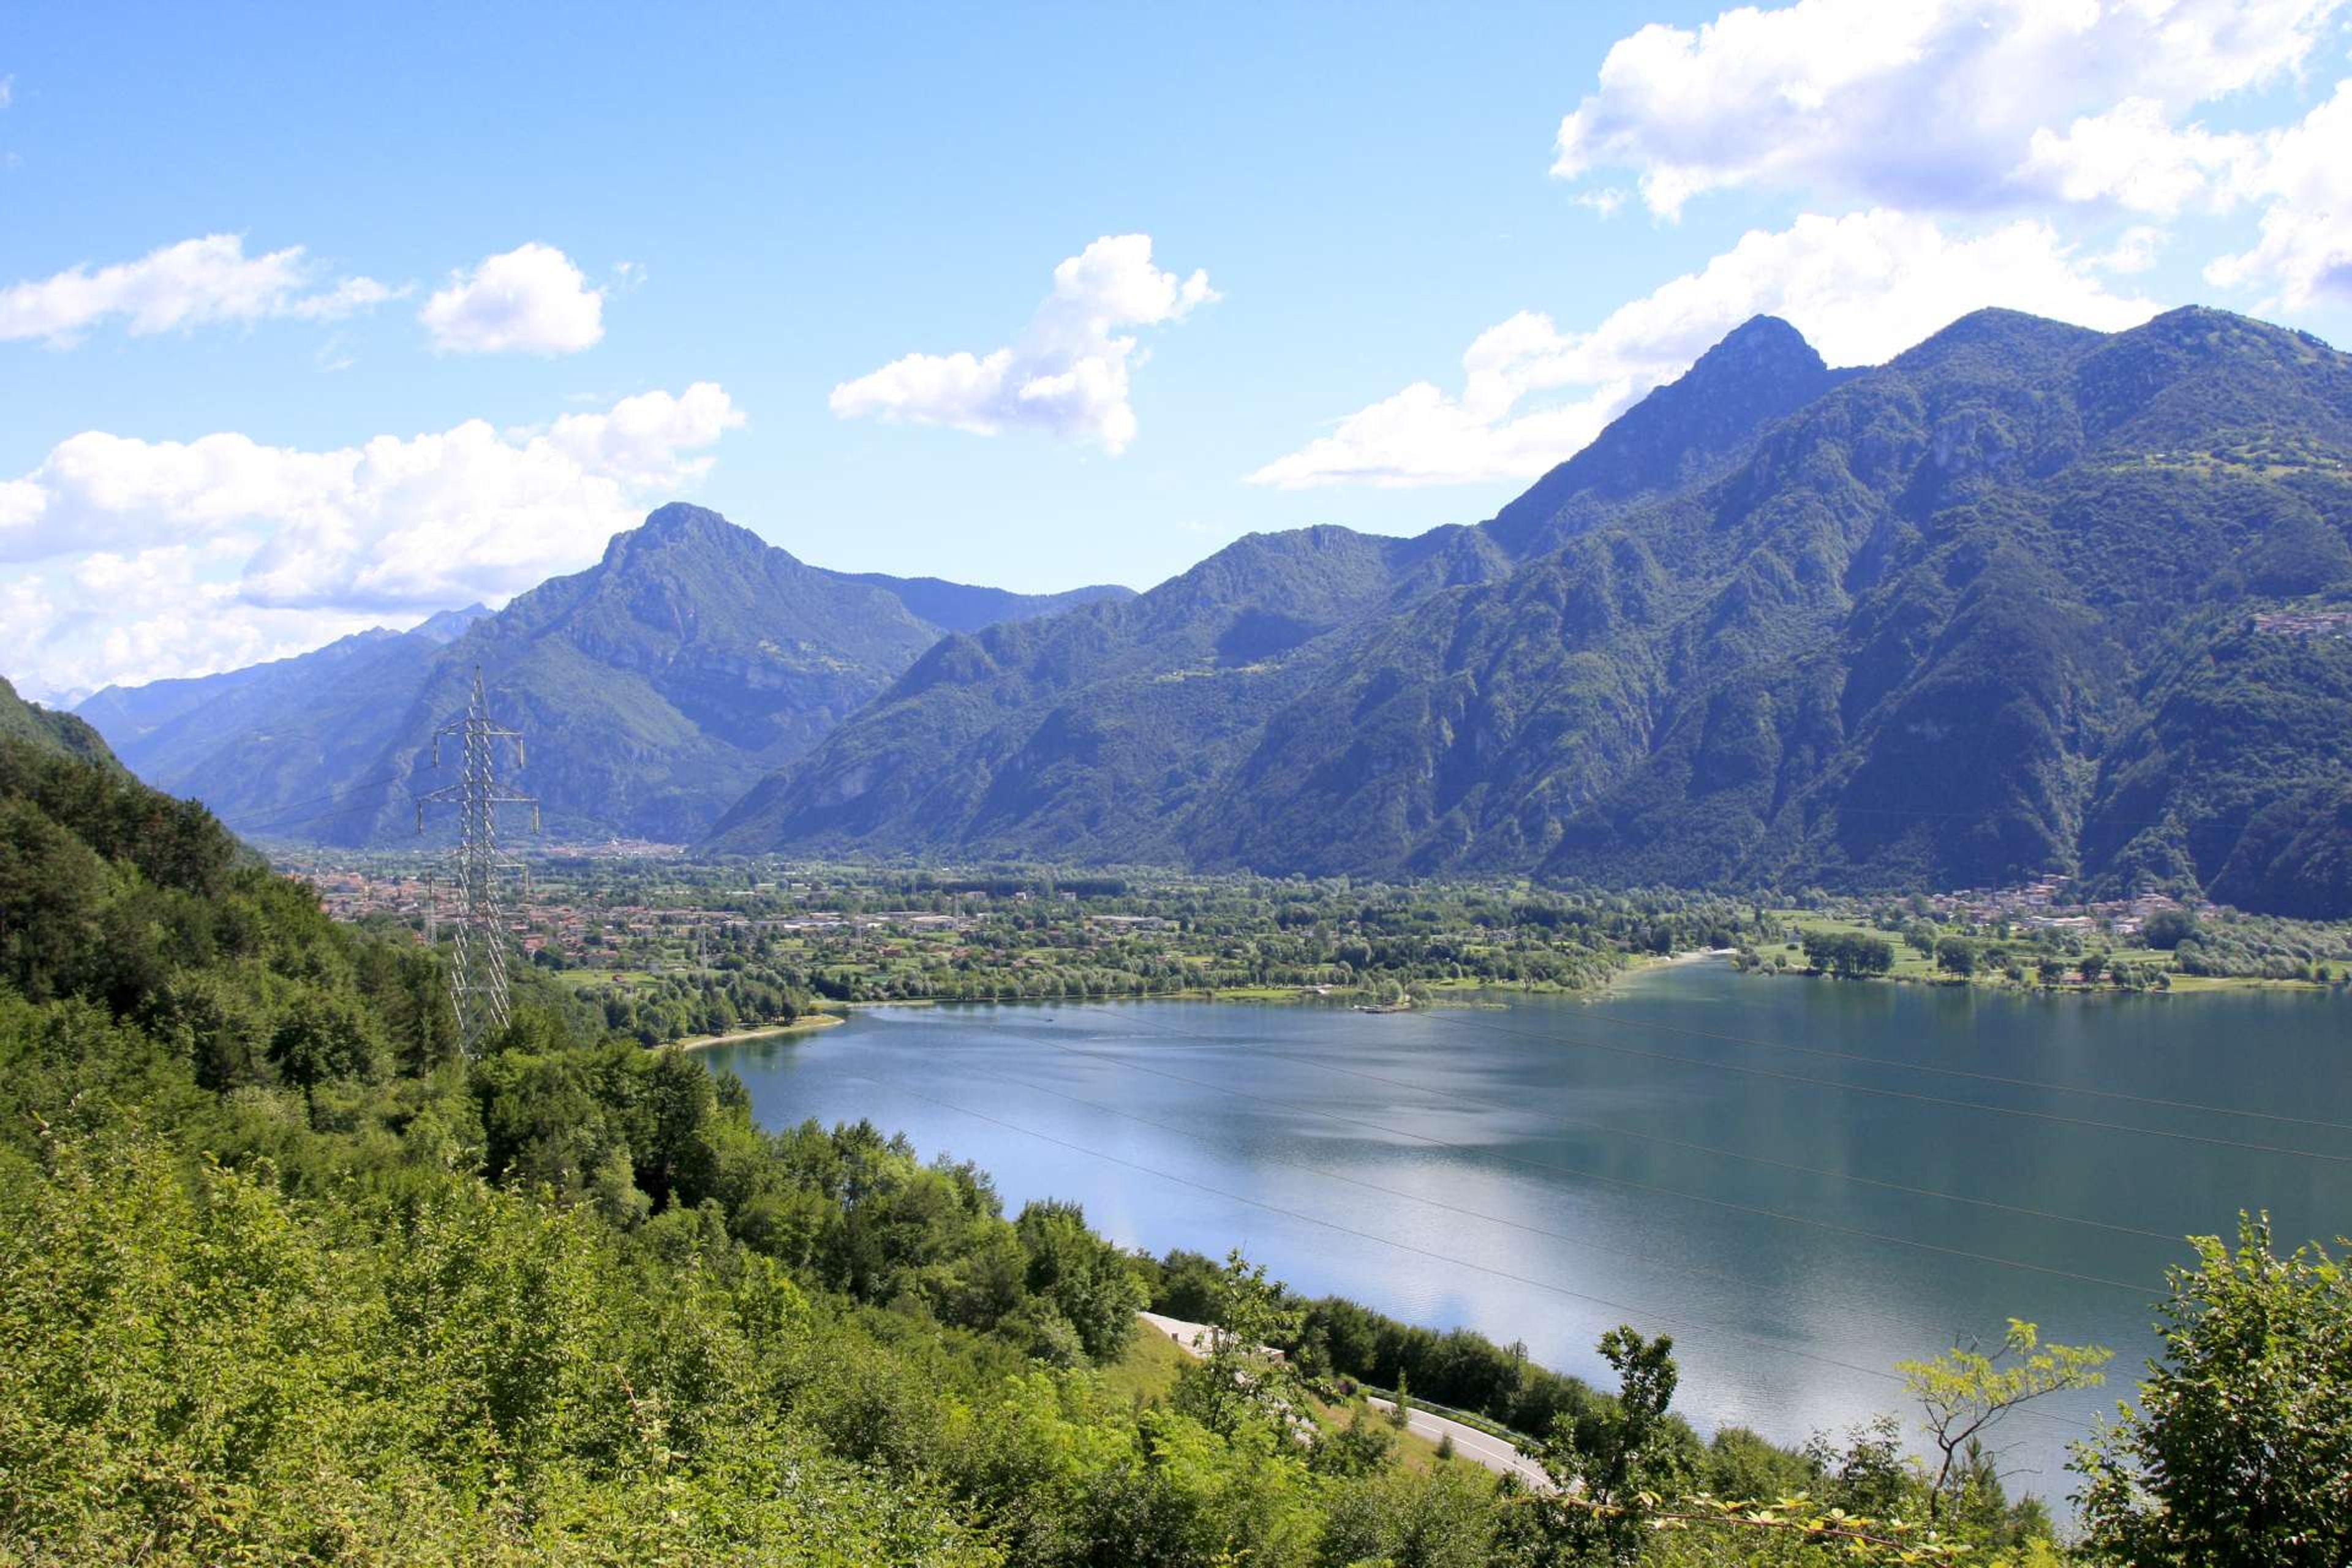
[(807, 1023), (2177, 984)]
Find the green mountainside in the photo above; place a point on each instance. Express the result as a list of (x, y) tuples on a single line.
[(2027, 598), (654, 689), (46, 730)]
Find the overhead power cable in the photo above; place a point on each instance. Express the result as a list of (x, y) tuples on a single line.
[(1305, 1060), (2206, 1138), (1584, 1243), (283, 810), (2004, 1080), (1627, 1181), (1644, 1313)]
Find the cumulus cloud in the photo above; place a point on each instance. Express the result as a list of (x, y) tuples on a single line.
[(1861, 287), (124, 559), (2135, 250), (2135, 157), (2304, 179), (530, 299), (1929, 104), (1065, 375), (195, 283)]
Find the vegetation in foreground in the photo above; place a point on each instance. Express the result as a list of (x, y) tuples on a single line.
[(283, 1280)]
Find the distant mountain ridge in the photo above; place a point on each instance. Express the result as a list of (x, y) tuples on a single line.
[(1982, 612), (175, 728), (655, 688)]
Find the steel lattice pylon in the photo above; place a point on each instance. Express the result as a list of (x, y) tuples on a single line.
[(478, 967)]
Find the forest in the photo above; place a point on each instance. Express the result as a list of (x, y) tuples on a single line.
[(285, 1277)]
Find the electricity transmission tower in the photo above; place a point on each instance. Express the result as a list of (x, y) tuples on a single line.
[(477, 968)]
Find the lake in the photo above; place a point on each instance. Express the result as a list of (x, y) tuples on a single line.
[(1803, 1181)]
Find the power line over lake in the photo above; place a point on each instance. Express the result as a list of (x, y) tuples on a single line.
[(1799, 1230)]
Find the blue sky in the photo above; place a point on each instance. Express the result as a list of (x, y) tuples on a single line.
[(417, 307)]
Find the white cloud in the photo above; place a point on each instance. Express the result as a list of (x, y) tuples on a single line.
[(1861, 287), (194, 283), (530, 299), (1919, 103), (2135, 157), (2133, 251), (1067, 372), (139, 559), (7, 91), (2303, 178)]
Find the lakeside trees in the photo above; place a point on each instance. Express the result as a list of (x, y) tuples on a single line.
[(1848, 955)]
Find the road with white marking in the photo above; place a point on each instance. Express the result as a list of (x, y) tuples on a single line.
[(1478, 1446)]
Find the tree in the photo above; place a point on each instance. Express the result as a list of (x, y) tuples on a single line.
[(1610, 1480), (1964, 1394), (2240, 1449), (1849, 953), (321, 1035), (1955, 955), (1086, 1279), (51, 887), (1242, 1375), (2167, 929)]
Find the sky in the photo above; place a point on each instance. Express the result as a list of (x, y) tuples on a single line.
[(314, 319)]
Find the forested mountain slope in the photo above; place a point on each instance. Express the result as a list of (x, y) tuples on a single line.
[(654, 689), (2027, 598), (47, 730), (1100, 732)]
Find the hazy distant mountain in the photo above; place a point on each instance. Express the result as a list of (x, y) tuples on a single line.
[(1988, 610), (255, 733), (960, 607), (652, 690)]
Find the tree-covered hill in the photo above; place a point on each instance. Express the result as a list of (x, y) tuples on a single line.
[(655, 689), (1967, 617), (48, 731)]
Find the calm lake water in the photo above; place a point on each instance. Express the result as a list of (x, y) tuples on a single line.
[(1802, 1181)]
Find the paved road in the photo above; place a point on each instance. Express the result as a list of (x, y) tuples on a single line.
[(1479, 1448)]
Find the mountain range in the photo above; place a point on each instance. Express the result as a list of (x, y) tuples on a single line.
[(653, 688), (2027, 598)]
